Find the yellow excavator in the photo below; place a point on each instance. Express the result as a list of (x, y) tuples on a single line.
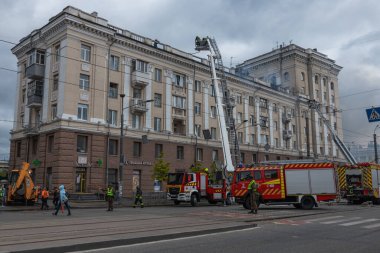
[(21, 187)]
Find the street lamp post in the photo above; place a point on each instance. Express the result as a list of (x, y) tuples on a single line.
[(122, 157), (375, 144)]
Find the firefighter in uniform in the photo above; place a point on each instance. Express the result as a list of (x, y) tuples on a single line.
[(252, 189), (138, 197), (110, 194)]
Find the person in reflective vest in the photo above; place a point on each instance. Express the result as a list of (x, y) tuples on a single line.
[(44, 199), (110, 194), (252, 189), (138, 197)]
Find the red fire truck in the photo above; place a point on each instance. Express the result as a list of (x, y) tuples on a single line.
[(191, 187), (300, 184)]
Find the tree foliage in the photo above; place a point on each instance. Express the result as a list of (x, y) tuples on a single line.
[(197, 167), (161, 169)]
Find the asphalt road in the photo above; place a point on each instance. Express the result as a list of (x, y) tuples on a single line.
[(185, 228)]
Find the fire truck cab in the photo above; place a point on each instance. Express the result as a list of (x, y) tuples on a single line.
[(191, 187), (303, 185)]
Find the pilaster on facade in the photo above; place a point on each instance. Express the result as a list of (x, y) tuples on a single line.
[(46, 89), (247, 129), (127, 90), (148, 96), (281, 127), (16, 116), (206, 114), (168, 99), (190, 107), (270, 112), (317, 132), (62, 79), (258, 123)]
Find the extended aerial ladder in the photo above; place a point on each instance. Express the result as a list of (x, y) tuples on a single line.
[(216, 62), (346, 152)]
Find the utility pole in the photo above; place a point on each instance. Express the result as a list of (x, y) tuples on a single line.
[(375, 144), (307, 135), (121, 165)]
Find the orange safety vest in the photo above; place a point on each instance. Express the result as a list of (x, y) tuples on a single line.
[(45, 194)]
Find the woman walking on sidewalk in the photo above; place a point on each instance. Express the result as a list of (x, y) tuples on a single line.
[(63, 200)]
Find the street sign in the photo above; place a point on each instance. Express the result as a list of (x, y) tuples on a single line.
[(373, 114)]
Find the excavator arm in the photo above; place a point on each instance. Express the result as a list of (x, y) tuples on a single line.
[(24, 183)]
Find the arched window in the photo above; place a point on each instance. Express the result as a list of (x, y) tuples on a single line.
[(316, 79), (273, 80), (286, 76), (302, 76), (324, 82), (332, 86)]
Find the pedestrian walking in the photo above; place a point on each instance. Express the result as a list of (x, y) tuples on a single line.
[(138, 197), (55, 197), (63, 200), (44, 199), (252, 189), (2, 194), (110, 196)]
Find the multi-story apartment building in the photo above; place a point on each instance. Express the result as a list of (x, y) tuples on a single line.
[(305, 73), (78, 75)]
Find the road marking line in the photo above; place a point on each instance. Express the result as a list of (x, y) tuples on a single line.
[(358, 222), (162, 241), (372, 226), (324, 218), (341, 220)]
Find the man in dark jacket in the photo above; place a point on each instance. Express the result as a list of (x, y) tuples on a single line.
[(138, 197)]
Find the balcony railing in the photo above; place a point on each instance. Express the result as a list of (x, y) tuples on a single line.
[(35, 71), (138, 105), (31, 129), (140, 79), (179, 113), (34, 101), (287, 134)]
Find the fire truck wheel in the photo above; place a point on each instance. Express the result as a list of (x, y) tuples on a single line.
[(307, 202), (194, 200), (176, 202)]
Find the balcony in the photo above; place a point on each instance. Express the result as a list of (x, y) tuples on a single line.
[(140, 79), (179, 113), (287, 134), (138, 105), (286, 117), (35, 71), (178, 90), (31, 130), (34, 101)]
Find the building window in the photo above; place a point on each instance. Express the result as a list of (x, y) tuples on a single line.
[(136, 149), (251, 100), (180, 152), (157, 124), (82, 111), (18, 148), (179, 80), (179, 102), (85, 53), (276, 142), (242, 157), (275, 107), (23, 95), (197, 86), (273, 80), (197, 130), (240, 137), (263, 121), (324, 95), (286, 76), (239, 117), (197, 108), (252, 139), (137, 93), (113, 146), (254, 158), (157, 100), (332, 86), (316, 79), (252, 120), (214, 155), (114, 62), (136, 121), (275, 125), (50, 143), (57, 52), (199, 154), (335, 126), (53, 112), (213, 112), (158, 75), (36, 57), (112, 117), (82, 144), (239, 99), (34, 145), (213, 133), (84, 82), (317, 94), (213, 91), (302, 90), (158, 150), (55, 82), (324, 82), (113, 92), (263, 103), (302, 76), (140, 66), (332, 99)]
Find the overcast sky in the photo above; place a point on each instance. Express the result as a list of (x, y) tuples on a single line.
[(346, 30)]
